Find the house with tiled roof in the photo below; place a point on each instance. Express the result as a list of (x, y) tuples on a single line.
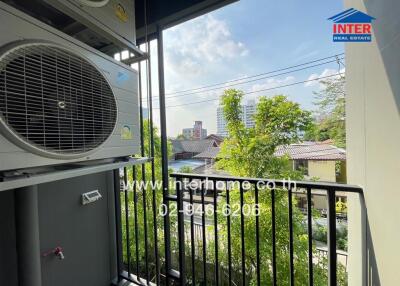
[(210, 153), (321, 161), (218, 139), (187, 149), (318, 160)]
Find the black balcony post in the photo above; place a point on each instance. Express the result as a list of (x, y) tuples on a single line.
[(146, 244), (118, 224), (291, 254), (135, 204), (309, 231), (143, 173), (242, 240), (192, 235), (164, 149), (203, 188), (332, 279), (127, 229), (273, 229), (153, 174), (181, 231), (228, 223), (216, 266), (143, 154), (27, 234), (258, 262)]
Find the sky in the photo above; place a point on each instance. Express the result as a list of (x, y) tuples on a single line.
[(245, 38)]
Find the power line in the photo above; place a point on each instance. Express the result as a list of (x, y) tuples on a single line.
[(253, 80), (255, 91), (257, 75)]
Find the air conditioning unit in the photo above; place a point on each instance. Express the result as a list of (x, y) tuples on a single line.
[(113, 19), (60, 100)]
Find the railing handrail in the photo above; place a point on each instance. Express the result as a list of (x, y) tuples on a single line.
[(280, 183), (183, 196)]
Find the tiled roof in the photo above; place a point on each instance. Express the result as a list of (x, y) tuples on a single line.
[(215, 137), (210, 153), (312, 151), (192, 146), (321, 151)]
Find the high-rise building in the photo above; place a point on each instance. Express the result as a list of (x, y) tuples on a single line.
[(197, 132), (248, 111)]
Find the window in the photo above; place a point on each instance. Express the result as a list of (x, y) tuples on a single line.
[(301, 165)]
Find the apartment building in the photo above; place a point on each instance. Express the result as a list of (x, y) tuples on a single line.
[(196, 132), (248, 111)]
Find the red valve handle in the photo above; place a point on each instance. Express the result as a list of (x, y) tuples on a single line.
[(55, 251)]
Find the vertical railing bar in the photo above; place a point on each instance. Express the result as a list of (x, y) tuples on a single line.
[(118, 224), (310, 246), (128, 249), (216, 234), (242, 235), (136, 219), (257, 237), (332, 278), (228, 222), (142, 153), (153, 175), (164, 150), (144, 196), (192, 237), (181, 232), (203, 224), (273, 229), (291, 256), (143, 189)]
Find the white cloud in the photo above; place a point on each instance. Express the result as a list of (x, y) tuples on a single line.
[(189, 47), (198, 53), (272, 82), (325, 73)]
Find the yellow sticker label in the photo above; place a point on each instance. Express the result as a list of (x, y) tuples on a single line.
[(126, 133), (121, 13)]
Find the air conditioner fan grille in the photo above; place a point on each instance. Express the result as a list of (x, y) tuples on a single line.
[(55, 100)]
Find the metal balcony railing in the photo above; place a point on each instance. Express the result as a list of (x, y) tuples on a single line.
[(214, 230)]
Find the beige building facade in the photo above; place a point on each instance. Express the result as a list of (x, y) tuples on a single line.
[(373, 136)]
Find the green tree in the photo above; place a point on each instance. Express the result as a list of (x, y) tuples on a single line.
[(250, 152), (180, 137), (185, 169), (331, 114)]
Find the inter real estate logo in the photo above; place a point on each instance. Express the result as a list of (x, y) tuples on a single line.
[(352, 26)]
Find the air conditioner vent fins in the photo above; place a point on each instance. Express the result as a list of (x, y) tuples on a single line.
[(54, 101)]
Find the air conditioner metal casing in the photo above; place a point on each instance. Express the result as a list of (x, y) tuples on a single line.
[(113, 19), (122, 80)]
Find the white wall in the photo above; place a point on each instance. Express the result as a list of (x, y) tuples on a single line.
[(373, 136)]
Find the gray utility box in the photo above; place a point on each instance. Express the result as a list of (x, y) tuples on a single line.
[(61, 101), (84, 232)]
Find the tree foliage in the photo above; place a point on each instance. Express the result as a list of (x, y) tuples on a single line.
[(331, 114), (249, 152), (185, 170), (181, 137)]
